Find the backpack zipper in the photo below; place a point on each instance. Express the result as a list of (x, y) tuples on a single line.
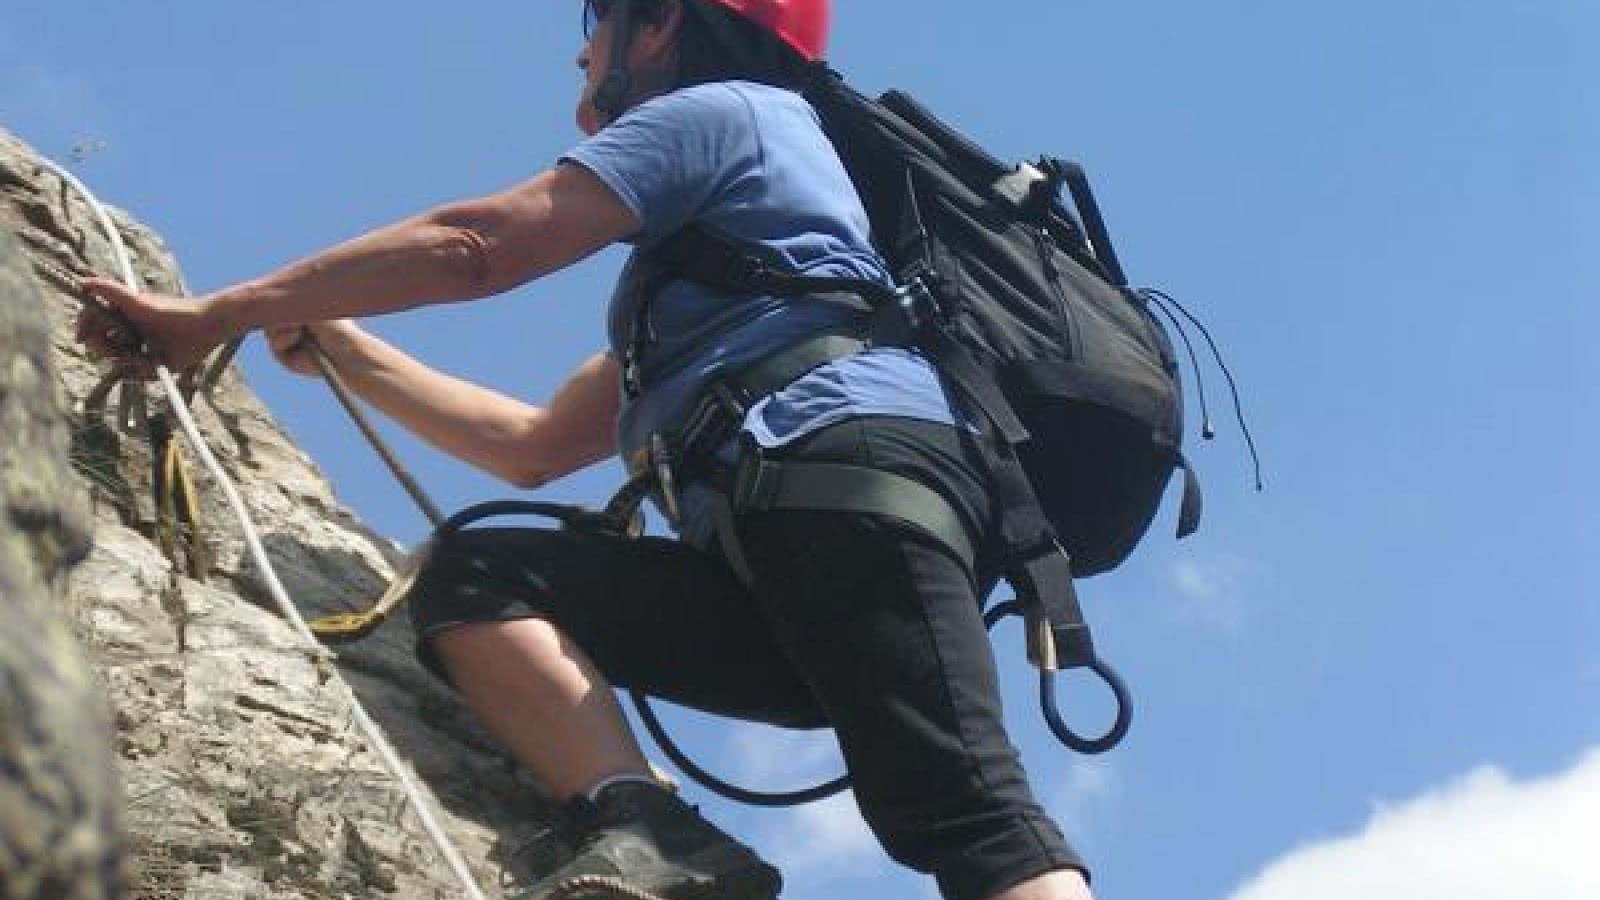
[(1043, 243)]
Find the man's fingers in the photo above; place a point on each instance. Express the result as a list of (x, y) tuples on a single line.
[(105, 296), (86, 325), (108, 334), (290, 338), (104, 310), (114, 292), (285, 343), (101, 332), (291, 341), (93, 318)]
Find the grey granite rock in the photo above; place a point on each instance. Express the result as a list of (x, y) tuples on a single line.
[(241, 772), (60, 801)]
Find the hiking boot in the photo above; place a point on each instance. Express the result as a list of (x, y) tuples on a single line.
[(642, 837)]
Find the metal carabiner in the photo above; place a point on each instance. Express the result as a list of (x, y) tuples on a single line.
[(666, 482)]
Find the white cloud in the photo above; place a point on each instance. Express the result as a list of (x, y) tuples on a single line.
[(820, 842), (1483, 837), (1215, 591), (824, 840), (826, 850), (772, 756), (1082, 799)]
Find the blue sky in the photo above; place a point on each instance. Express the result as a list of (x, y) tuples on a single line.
[(1376, 679)]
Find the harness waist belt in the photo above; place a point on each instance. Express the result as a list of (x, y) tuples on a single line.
[(719, 414), (764, 484)]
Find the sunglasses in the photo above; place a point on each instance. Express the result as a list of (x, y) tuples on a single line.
[(594, 12)]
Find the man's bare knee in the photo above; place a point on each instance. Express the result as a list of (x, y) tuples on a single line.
[(472, 643)]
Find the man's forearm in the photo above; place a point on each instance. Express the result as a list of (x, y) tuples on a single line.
[(468, 421), (405, 265), (459, 251)]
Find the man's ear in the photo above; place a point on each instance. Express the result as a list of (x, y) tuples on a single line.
[(659, 32)]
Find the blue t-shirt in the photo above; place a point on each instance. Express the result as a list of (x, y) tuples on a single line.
[(749, 162)]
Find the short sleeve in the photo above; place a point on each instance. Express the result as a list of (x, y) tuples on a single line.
[(671, 157)]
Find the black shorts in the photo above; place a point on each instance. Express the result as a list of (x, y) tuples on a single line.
[(855, 622)]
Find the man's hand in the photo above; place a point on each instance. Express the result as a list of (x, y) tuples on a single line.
[(143, 329), (339, 340)]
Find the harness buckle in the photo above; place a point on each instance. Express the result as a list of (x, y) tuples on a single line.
[(666, 482), (755, 481), (652, 466), (734, 400), (630, 371)]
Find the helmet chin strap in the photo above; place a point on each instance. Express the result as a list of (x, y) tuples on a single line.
[(612, 93)]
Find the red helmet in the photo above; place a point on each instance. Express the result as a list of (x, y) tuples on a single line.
[(802, 24)]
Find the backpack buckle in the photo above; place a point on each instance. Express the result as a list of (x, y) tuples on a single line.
[(1024, 185), (914, 306), (1057, 636)]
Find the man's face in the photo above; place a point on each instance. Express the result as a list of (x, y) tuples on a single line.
[(652, 53), (593, 59)]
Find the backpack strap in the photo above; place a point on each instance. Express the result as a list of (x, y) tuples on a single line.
[(1193, 502), (896, 319), (1039, 569), (696, 254), (974, 383)]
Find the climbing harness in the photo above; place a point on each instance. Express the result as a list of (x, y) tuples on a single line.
[(765, 482), (369, 728)]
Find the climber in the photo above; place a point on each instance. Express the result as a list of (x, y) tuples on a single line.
[(833, 619)]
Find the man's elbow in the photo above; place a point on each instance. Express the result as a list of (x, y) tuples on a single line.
[(535, 470), (467, 244), (529, 479), (468, 255)]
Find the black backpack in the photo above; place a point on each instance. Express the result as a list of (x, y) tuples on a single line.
[(1092, 398), (1021, 305)]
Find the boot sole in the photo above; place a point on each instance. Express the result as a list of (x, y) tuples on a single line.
[(761, 882), (741, 875), (723, 871)]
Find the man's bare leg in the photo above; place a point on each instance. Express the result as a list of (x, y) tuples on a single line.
[(1062, 884), (544, 700), (549, 705)]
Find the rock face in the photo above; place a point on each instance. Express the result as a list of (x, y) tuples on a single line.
[(60, 801), (240, 771)]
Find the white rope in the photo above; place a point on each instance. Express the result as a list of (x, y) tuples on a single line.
[(258, 553)]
